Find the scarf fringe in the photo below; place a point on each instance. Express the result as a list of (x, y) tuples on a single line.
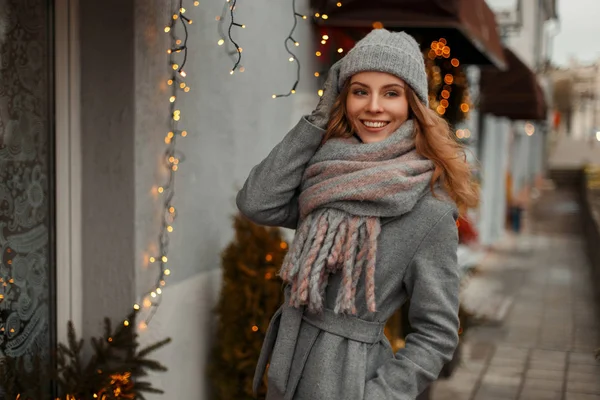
[(329, 241)]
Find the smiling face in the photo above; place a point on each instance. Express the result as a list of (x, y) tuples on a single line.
[(376, 105)]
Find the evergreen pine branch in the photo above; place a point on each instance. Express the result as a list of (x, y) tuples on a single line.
[(147, 350)]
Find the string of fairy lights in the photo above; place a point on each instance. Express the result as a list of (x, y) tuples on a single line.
[(234, 54), (177, 51), (229, 7), (293, 58)]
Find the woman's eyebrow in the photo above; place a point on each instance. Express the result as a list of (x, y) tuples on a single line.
[(383, 87)]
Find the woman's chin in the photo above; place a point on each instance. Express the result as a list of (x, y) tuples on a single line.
[(373, 136)]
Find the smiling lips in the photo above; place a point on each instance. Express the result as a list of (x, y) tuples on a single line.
[(374, 125)]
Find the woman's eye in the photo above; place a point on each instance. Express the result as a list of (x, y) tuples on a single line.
[(359, 92), (392, 94)]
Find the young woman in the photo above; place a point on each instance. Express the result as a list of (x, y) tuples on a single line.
[(372, 181)]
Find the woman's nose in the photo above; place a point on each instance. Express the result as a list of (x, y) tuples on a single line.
[(374, 105)]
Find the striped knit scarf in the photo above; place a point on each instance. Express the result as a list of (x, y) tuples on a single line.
[(346, 188)]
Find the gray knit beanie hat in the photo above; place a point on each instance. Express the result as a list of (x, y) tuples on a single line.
[(396, 53)]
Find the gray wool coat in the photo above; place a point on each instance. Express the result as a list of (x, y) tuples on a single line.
[(335, 357)]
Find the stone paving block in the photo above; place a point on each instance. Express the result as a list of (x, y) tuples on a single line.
[(548, 355), (581, 396), (574, 376), (544, 384), (497, 391), (440, 392), (511, 371), (549, 365), (537, 394), (583, 358), (584, 387), (545, 374), (501, 380), (585, 368)]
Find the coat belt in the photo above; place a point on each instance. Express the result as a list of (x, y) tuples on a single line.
[(287, 376)]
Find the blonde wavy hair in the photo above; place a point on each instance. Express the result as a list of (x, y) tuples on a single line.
[(433, 140)]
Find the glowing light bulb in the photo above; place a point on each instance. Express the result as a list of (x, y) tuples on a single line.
[(167, 272), (172, 99), (159, 290), (196, 3), (175, 16), (317, 15), (320, 92), (274, 96), (152, 259), (164, 259), (170, 82), (153, 294), (126, 323), (184, 133), (340, 50), (529, 129), (339, 4), (318, 54), (161, 189), (324, 16), (182, 73), (136, 306), (296, 44), (182, 85), (175, 66), (220, 42), (182, 10), (291, 59), (167, 29), (317, 74), (231, 72)]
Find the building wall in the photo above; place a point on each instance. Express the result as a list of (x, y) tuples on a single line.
[(233, 123)]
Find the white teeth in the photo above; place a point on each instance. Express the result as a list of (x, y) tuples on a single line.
[(375, 124)]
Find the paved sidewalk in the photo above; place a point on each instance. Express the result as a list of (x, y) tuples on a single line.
[(541, 341)]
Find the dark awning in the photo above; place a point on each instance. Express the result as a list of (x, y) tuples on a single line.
[(469, 26), (514, 93)]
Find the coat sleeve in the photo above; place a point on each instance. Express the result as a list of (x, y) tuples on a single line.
[(432, 281), (270, 194)]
